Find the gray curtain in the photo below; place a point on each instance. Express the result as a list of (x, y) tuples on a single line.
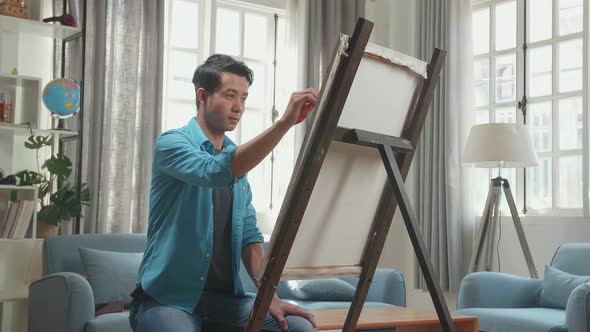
[(327, 19), (122, 108), (320, 23), (439, 188)]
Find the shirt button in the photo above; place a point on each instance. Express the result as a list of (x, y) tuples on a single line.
[(202, 278)]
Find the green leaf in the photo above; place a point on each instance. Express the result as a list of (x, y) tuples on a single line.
[(29, 178), (66, 202), (37, 142), (59, 165)]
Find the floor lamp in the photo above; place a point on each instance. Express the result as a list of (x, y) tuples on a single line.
[(499, 145)]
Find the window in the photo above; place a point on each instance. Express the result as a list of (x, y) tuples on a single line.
[(246, 31), (556, 92)]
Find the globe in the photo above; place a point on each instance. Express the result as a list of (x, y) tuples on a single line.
[(62, 97)]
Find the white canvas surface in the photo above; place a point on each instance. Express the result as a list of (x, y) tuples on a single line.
[(336, 224)]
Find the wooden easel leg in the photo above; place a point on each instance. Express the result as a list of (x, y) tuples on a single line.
[(397, 182)]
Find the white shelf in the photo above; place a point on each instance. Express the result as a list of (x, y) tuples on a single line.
[(23, 130), (25, 94), (9, 79), (11, 187), (22, 25)]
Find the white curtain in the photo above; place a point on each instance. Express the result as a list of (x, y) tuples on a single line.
[(444, 24), (122, 108)]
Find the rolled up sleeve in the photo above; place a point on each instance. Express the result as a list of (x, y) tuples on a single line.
[(176, 156), (251, 233)]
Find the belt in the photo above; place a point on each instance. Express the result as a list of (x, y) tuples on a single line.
[(139, 295)]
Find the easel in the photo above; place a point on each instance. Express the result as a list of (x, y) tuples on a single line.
[(397, 166), (489, 224)]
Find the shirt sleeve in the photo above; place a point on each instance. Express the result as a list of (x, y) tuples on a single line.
[(176, 156), (251, 233)]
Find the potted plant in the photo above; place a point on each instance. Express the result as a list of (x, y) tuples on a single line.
[(65, 200)]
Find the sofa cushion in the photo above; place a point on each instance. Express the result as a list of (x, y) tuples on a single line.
[(557, 287), (518, 319), (331, 289), (112, 275)]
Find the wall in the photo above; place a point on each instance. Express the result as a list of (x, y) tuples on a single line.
[(544, 235)]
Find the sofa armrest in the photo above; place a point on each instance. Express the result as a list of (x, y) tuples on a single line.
[(498, 290), (60, 302), (577, 311), (388, 286)]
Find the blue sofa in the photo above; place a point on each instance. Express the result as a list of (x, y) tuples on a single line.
[(63, 299), (558, 303)]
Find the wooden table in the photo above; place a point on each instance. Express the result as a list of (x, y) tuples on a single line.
[(403, 319)]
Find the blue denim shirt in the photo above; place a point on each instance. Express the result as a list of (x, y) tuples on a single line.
[(180, 228)]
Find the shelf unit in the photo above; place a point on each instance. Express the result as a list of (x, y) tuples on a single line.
[(27, 45), (21, 43)]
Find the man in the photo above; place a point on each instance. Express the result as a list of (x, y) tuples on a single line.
[(201, 221)]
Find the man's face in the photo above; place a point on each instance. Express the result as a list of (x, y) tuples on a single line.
[(224, 107)]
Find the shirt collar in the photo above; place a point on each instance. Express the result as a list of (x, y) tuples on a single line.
[(199, 137)]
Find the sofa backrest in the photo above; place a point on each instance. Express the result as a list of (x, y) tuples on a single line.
[(61, 254), (572, 258)]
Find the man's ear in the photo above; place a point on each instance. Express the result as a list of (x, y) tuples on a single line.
[(202, 95)]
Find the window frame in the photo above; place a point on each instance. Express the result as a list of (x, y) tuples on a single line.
[(207, 17), (555, 97)]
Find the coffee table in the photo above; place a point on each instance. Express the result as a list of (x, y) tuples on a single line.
[(403, 319)]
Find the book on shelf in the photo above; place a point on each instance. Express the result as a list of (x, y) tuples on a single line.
[(17, 219), (9, 216), (4, 215), (23, 219)]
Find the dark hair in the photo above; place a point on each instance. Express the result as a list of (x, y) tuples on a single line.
[(208, 74)]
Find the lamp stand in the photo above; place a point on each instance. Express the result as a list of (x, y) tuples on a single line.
[(489, 224)]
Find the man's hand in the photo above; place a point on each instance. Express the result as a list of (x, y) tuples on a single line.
[(300, 104), (279, 309)]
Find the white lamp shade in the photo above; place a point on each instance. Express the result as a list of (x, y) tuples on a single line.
[(500, 145)]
